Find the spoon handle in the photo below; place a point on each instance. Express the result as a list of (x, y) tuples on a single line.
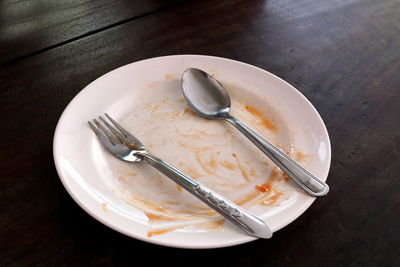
[(311, 184), (249, 223)]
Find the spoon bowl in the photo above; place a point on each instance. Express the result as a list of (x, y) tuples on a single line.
[(205, 95)]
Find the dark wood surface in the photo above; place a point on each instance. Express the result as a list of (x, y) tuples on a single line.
[(342, 55), (32, 27)]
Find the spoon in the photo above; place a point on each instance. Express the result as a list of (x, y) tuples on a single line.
[(207, 97)]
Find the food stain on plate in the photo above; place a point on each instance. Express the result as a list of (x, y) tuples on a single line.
[(104, 207), (170, 77), (161, 231), (211, 152), (261, 118)]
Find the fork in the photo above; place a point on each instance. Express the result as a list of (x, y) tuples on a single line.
[(125, 146)]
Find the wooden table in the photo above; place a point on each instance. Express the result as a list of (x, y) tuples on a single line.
[(344, 56)]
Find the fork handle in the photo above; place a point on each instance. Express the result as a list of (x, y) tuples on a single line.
[(249, 223)]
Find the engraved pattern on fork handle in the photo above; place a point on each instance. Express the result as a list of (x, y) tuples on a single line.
[(218, 202)]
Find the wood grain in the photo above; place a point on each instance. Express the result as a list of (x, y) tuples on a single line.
[(343, 56), (31, 27)]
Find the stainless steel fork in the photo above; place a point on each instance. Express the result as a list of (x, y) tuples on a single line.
[(125, 146)]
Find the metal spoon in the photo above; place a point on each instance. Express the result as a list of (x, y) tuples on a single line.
[(207, 97)]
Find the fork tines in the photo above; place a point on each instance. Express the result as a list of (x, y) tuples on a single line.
[(113, 133)]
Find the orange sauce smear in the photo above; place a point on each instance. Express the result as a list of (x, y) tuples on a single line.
[(242, 170), (122, 178), (198, 211), (162, 231), (214, 225), (264, 121), (247, 198), (169, 77), (179, 188), (300, 156), (171, 202), (172, 216), (212, 163), (148, 204), (264, 187), (276, 174), (158, 217), (208, 166), (153, 84), (191, 171), (285, 176), (253, 172), (227, 164), (104, 207), (156, 106), (189, 111), (272, 199)]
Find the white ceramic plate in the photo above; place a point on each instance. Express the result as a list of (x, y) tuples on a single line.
[(135, 95)]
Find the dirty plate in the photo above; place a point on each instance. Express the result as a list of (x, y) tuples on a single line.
[(145, 97)]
